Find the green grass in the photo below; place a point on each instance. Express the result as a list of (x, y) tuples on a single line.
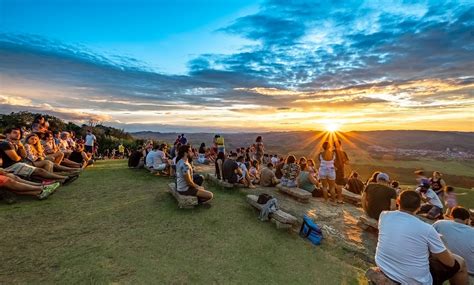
[(116, 225)]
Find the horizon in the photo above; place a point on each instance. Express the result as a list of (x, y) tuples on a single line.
[(243, 66)]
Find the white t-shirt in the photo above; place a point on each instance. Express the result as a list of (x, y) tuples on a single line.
[(403, 248), (150, 158), (433, 198), (459, 239), (90, 140)]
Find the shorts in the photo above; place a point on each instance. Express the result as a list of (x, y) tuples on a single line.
[(288, 182), (3, 180), (21, 169), (159, 167), (433, 212), (89, 148), (190, 192), (327, 173), (441, 272), (221, 149)]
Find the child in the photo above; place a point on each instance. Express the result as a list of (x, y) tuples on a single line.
[(450, 200)]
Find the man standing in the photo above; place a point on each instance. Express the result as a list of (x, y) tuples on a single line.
[(410, 251), (379, 197), (339, 163), (458, 235), (90, 141)]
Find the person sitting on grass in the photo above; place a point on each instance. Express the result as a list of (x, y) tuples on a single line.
[(35, 154), (379, 197), (450, 200), (51, 150), (290, 172), (39, 126), (410, 251), (135, 158), (202, 154), (458, 235), (244, 178), (308, 182), (187, 183), (268, 177), (354, 184), (20, 186), (64, 144), (13, 155), (231, 170), (432, 206), (254, 172), (80, 156)]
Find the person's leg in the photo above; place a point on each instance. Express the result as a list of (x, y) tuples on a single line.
[(57, 167), (17, 178), (41, 173), (204, 196), (44, 164), (22, 188), (462, 276), (198, 179), (325, 189), (332, 189), (340, 199)]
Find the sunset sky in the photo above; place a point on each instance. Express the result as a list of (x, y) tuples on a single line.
[(233, 65)]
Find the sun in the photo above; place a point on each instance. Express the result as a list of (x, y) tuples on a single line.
[(332, 127)]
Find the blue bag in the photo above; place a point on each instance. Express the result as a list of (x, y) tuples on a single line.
[(311, 231)]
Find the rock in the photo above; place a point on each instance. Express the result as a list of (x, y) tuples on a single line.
[(376, 277), (183, 201), (300, 194), (279, 215), (365, 222), (222, 183), (352, 198)]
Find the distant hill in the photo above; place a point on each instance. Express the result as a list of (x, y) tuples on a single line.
[(305, 142)]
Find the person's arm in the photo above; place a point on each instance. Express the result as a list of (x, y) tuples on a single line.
[(442, 182), (393, 204), (12, 154), (446, 257), (190, 182)]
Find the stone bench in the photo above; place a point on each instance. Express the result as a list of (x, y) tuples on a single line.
[(281, 219), (222, 183), (185, 202), (376, 277), (299, 194), (365, 222), (352, 198)]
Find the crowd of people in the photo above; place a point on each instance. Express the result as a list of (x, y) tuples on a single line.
[(37, 161), (425, 259)]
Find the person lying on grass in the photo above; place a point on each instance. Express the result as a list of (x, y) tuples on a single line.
[(20, 186), (187, 183)]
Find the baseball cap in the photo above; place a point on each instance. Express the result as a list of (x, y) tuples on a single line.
[(425, 183), (383, 177)]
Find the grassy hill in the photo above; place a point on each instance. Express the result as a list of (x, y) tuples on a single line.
[(116, 225)]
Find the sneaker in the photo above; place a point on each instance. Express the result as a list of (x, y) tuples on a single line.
[(48, 190), (70, 179)]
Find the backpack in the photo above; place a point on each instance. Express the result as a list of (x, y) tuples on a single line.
[(264, 198), (311, 231)]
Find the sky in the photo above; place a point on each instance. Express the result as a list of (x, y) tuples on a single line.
[(226, 66)]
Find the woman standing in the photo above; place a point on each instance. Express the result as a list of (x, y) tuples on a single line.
[(437, 184), (327, 173), (259, 149)]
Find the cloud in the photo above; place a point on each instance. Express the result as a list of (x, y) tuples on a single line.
[(304, 58)]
